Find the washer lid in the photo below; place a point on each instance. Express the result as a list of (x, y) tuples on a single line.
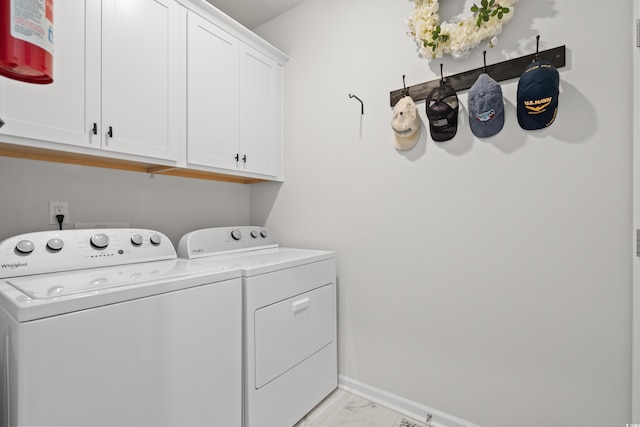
[(57, 285), (33, 297)]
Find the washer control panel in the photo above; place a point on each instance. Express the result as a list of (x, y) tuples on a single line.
[(223, 240), (63, 250)]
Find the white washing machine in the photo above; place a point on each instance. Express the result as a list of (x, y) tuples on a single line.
[(109, 328), (290, 349)]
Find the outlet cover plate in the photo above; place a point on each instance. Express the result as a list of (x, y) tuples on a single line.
[(56, 208)]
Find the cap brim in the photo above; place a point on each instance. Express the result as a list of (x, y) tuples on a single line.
[(404, 143)]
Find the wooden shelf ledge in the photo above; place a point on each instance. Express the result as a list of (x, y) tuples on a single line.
[(41, 154)]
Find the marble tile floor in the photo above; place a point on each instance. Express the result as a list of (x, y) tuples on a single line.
[(343, 409)]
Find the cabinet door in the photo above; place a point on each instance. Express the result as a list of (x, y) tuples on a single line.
[(141, 72), (56, 112), (260, 113), (212, 88)]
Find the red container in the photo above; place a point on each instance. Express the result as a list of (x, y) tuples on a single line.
[(27, 61)]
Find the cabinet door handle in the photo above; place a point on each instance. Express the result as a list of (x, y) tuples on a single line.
[(95, 129), (110, 133), (244, 158)]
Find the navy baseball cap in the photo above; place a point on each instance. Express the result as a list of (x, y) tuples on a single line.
[(537, 101), (442, 112), (486, 107)]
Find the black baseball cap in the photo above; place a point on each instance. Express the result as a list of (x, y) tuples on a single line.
[(537, 101), (442, 112)]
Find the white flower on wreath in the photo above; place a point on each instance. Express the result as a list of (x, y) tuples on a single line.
[(435, 38)]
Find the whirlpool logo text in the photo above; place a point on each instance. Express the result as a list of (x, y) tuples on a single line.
[(13, 266)]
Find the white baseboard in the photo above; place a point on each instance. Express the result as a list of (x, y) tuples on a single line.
[(401, 405)]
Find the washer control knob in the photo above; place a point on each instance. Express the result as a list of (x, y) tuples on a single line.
[(254, 234), (263, 233), (55, 244), (236, 234), (99, 240), (155, 239), (25, 246), (136, 240)]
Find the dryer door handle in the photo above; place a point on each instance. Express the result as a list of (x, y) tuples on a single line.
[(300, 305)]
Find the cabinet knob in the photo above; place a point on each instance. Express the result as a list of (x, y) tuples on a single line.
[(237, 157), (244, 158), (95, 129), (110, 133)]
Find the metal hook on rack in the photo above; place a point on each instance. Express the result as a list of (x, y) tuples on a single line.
[(361, 103), (484, 67), (537, 57), (441, 76), (405, 91)]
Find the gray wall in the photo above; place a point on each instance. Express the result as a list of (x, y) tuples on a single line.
[(489, 279), (171, 205)]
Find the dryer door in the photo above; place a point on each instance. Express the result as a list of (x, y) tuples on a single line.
[(289, 331)]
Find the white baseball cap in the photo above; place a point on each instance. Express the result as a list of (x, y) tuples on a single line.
[(406, 124)]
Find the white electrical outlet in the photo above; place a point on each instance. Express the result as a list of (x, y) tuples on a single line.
[(58, 208)]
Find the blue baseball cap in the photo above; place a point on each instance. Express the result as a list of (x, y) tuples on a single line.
[(486, 107), (537, 101)]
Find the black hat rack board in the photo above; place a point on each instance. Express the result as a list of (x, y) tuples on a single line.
[(501, 71)]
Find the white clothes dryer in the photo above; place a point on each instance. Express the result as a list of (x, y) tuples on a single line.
[(289, 295), (109, 328)]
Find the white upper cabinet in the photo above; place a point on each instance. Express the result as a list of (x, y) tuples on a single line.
[(260, 143), (117, 66), (212, 87), (169, 83), (55, 112), (234, 96), (142, 77)]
